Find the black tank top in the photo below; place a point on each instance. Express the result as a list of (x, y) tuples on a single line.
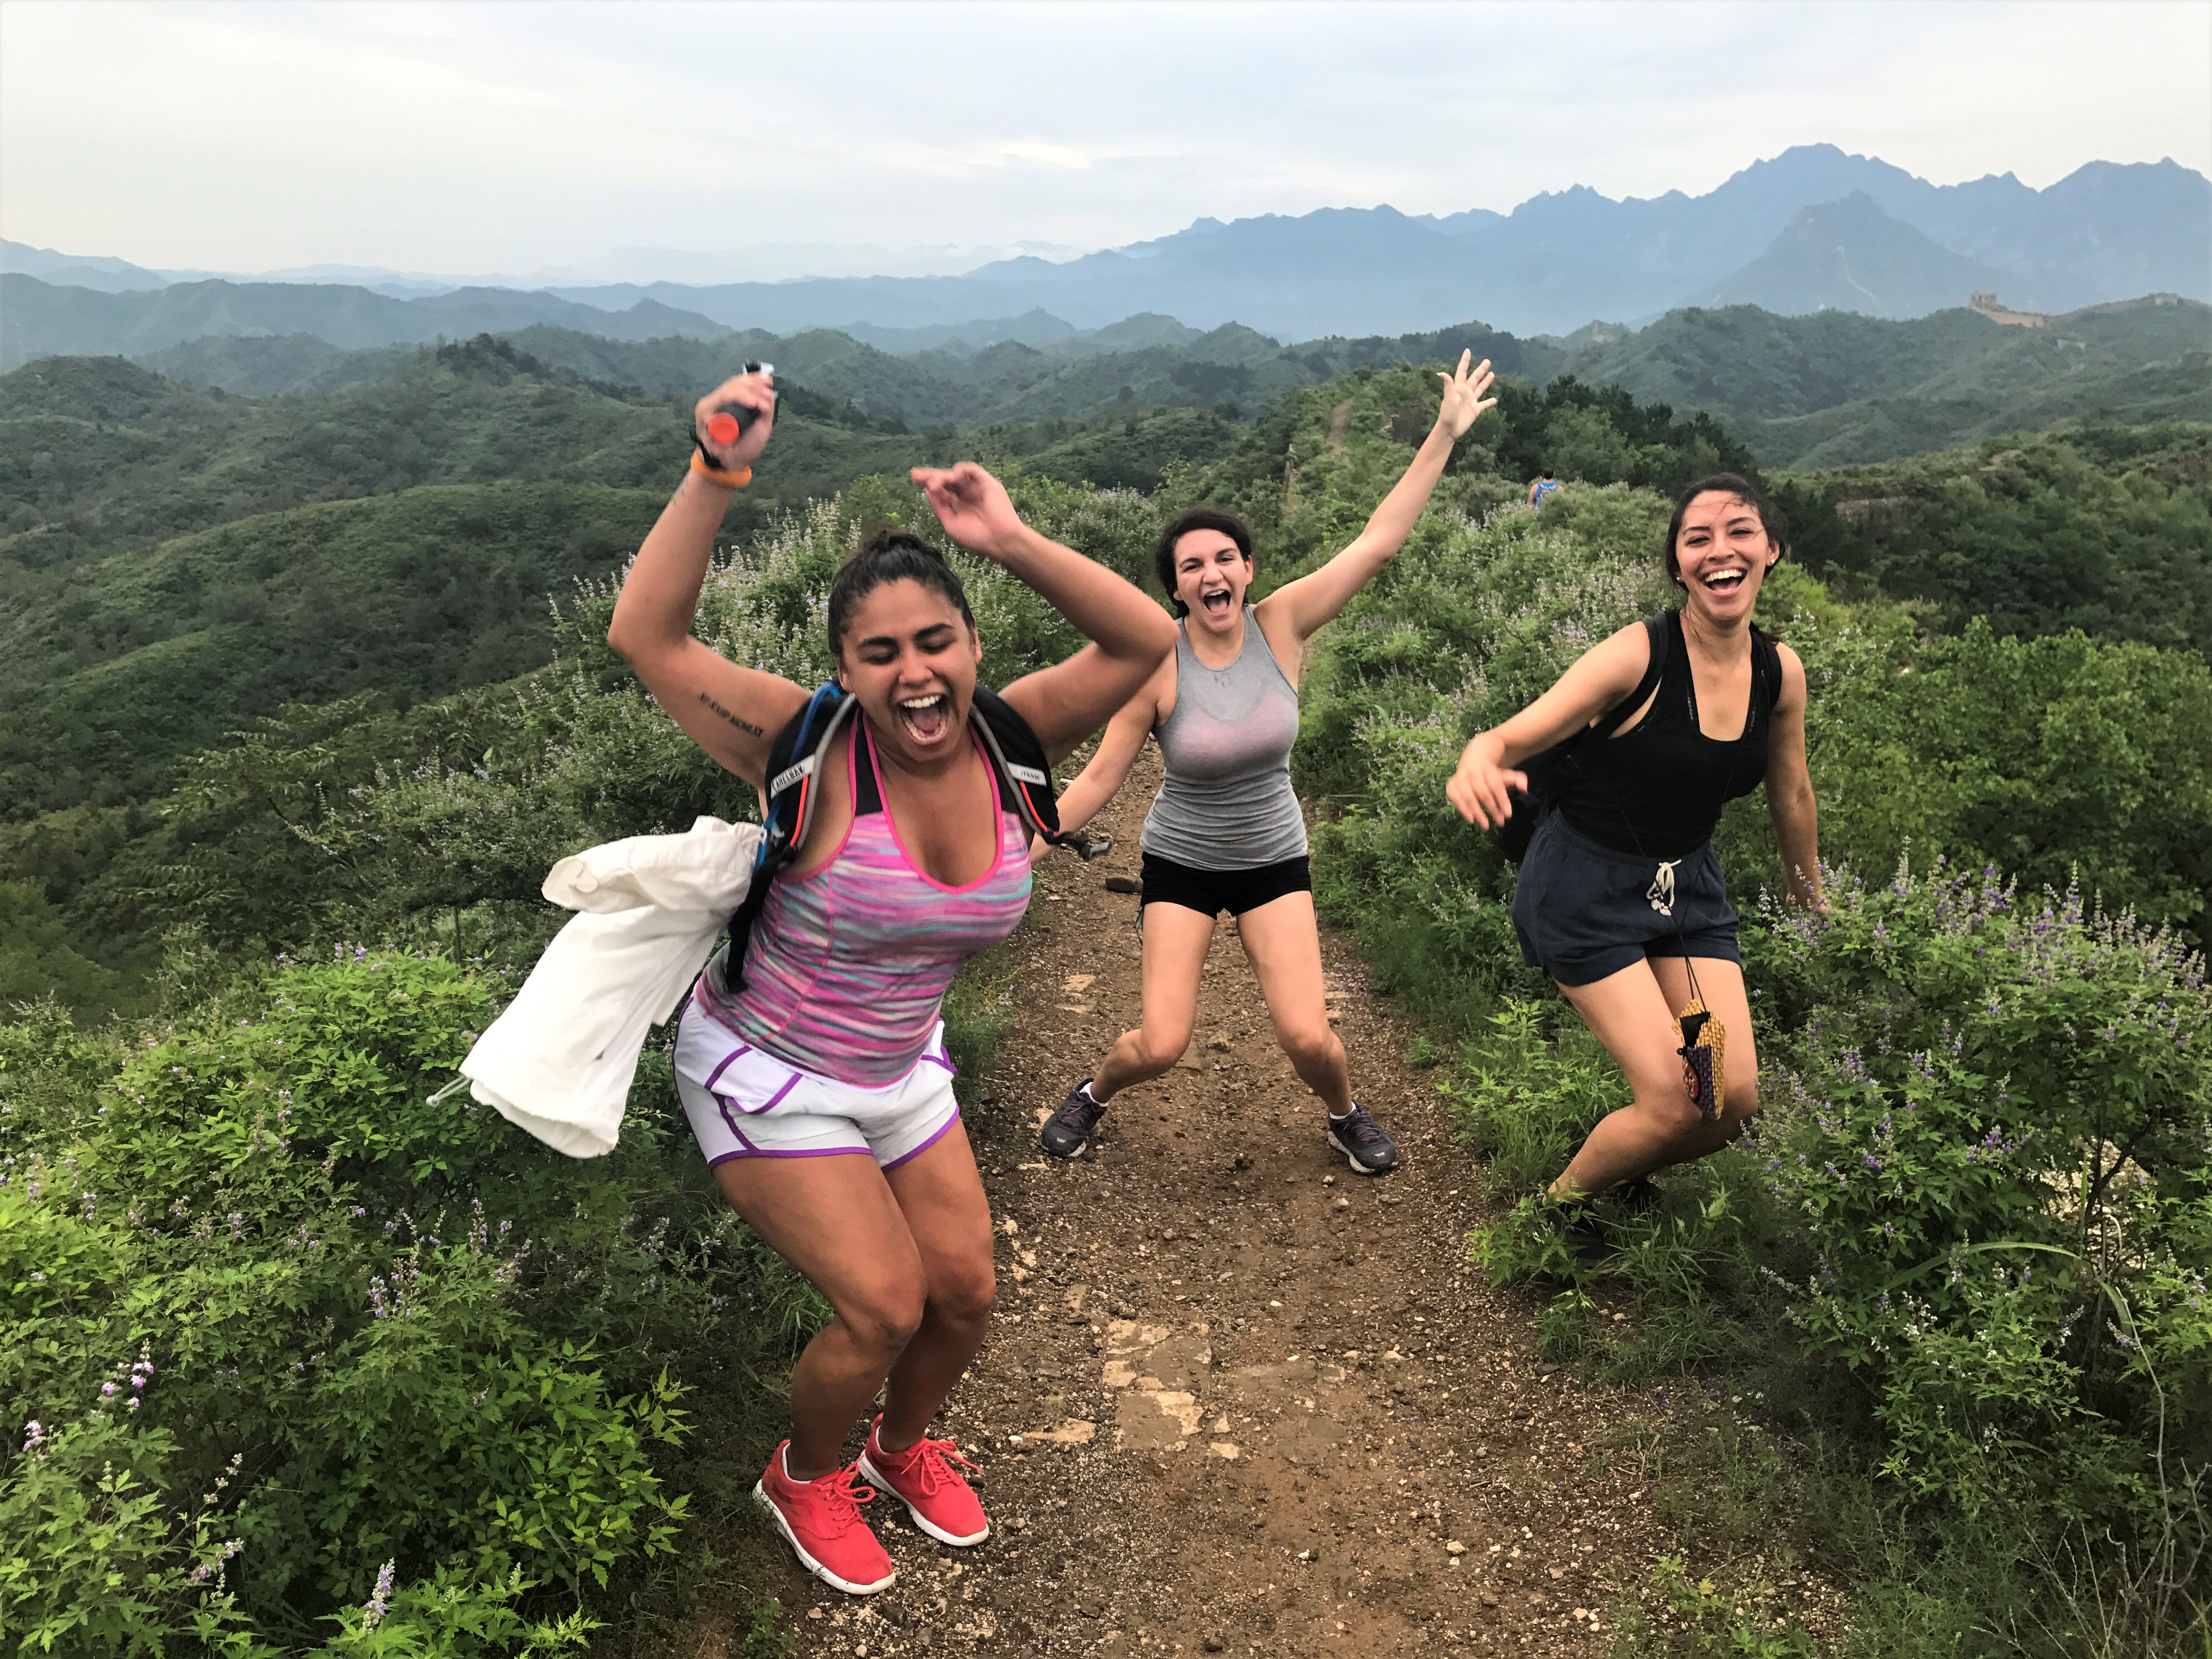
[(1656, 791)]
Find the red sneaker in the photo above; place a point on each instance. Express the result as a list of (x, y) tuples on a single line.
[(921, 1477), (821, 1518)]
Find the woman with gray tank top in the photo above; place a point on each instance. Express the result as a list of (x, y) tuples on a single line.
[(1225, 832)]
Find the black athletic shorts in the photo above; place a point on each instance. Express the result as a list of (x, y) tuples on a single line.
[(1584, 911), (1210, 892)]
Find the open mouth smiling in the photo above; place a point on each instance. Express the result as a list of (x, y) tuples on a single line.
[(1218, 603), (926, 719), (1723, 581)]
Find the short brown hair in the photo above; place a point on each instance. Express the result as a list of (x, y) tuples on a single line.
[(1197, 517)]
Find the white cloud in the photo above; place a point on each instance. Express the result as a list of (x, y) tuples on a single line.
[(513, 137)]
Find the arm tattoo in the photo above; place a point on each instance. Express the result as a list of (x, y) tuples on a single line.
[(738, 720)]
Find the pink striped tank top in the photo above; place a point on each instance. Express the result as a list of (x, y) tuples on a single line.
[(847, 967)]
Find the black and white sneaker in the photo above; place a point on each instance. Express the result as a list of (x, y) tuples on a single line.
[(1362, 1143), (1637, 1196), (1577, 1228), (1067, 1131)]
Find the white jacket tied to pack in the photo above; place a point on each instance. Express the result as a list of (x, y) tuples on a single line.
[(560, 1061)]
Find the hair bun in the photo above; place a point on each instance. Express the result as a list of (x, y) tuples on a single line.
[(881, 538)]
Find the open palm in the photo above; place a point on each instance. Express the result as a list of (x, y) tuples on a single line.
[(1463, 394), (971, 505)]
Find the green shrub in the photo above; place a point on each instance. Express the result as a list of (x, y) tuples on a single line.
[(253, 1261)]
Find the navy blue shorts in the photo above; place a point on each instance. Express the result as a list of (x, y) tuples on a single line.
[(1583, 911)]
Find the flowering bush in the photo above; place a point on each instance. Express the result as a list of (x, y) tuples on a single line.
[(1995, 1122)]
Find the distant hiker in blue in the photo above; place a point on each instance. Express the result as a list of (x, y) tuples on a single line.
[(1543, 489)]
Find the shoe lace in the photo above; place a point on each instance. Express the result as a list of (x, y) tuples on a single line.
[(930, 1460), (1082, 1109), (840, 1497), (1361, 1128)]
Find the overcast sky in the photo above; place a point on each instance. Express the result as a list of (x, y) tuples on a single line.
[(517, 137)]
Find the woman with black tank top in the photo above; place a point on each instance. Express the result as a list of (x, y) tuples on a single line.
[(1225, 832), (1621, 899)]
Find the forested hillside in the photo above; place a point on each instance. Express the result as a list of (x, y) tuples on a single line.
[(1836, 387), (1829, 389), (2104, 527)]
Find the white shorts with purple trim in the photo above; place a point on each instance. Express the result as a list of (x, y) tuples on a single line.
[(743, 1103)]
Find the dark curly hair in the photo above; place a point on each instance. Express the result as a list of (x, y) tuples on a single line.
[(889, 554), (1198, 518), (1724, 483)]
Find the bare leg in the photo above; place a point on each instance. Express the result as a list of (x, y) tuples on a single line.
[(1176, 940), (1283, 941), (834, 1219), (1631, 1012), (942, 1197)]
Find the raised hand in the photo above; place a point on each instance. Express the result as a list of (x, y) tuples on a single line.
[(1463, 399), (1479, 787), (972, 505), (754, 391)]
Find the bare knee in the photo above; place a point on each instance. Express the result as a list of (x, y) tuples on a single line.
[(883, 1318), (1308, 1046), (1671, 1121), (964, 1294), (1159, 1046)]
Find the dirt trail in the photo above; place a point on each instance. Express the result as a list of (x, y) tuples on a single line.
[(1238, 1399)]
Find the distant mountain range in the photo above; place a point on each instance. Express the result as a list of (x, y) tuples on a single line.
[(1813, 229), (1824, 389), (40, 319)]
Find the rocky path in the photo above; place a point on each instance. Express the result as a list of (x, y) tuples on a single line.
[(1238, 1399)]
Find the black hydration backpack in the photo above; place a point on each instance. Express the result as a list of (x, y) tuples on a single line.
[(794, 763), (1552, 771)]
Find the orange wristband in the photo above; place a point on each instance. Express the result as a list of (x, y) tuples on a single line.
[(737, 480)]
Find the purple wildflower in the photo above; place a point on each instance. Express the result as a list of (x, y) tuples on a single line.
[(374, 1609)]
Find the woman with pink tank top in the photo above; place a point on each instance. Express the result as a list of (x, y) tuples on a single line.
[(819, 1088)]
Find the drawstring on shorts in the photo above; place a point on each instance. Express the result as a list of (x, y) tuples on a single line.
[(1662, 890)]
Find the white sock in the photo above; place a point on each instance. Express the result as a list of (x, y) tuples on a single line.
[(1339, 1118), (1087, 1096)]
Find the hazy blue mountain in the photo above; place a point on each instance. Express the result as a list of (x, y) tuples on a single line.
[(1035, 328), (2102, 232), (1040, 329), (1561, 257), (79, 270), (39, 319), (1851, 256), (2107, 231)]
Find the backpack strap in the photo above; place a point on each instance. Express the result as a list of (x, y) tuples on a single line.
[(1658, 637), (1019, 760), (1766, 665), (795, 759)]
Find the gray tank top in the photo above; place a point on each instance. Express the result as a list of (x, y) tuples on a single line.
[(1226, 801)]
